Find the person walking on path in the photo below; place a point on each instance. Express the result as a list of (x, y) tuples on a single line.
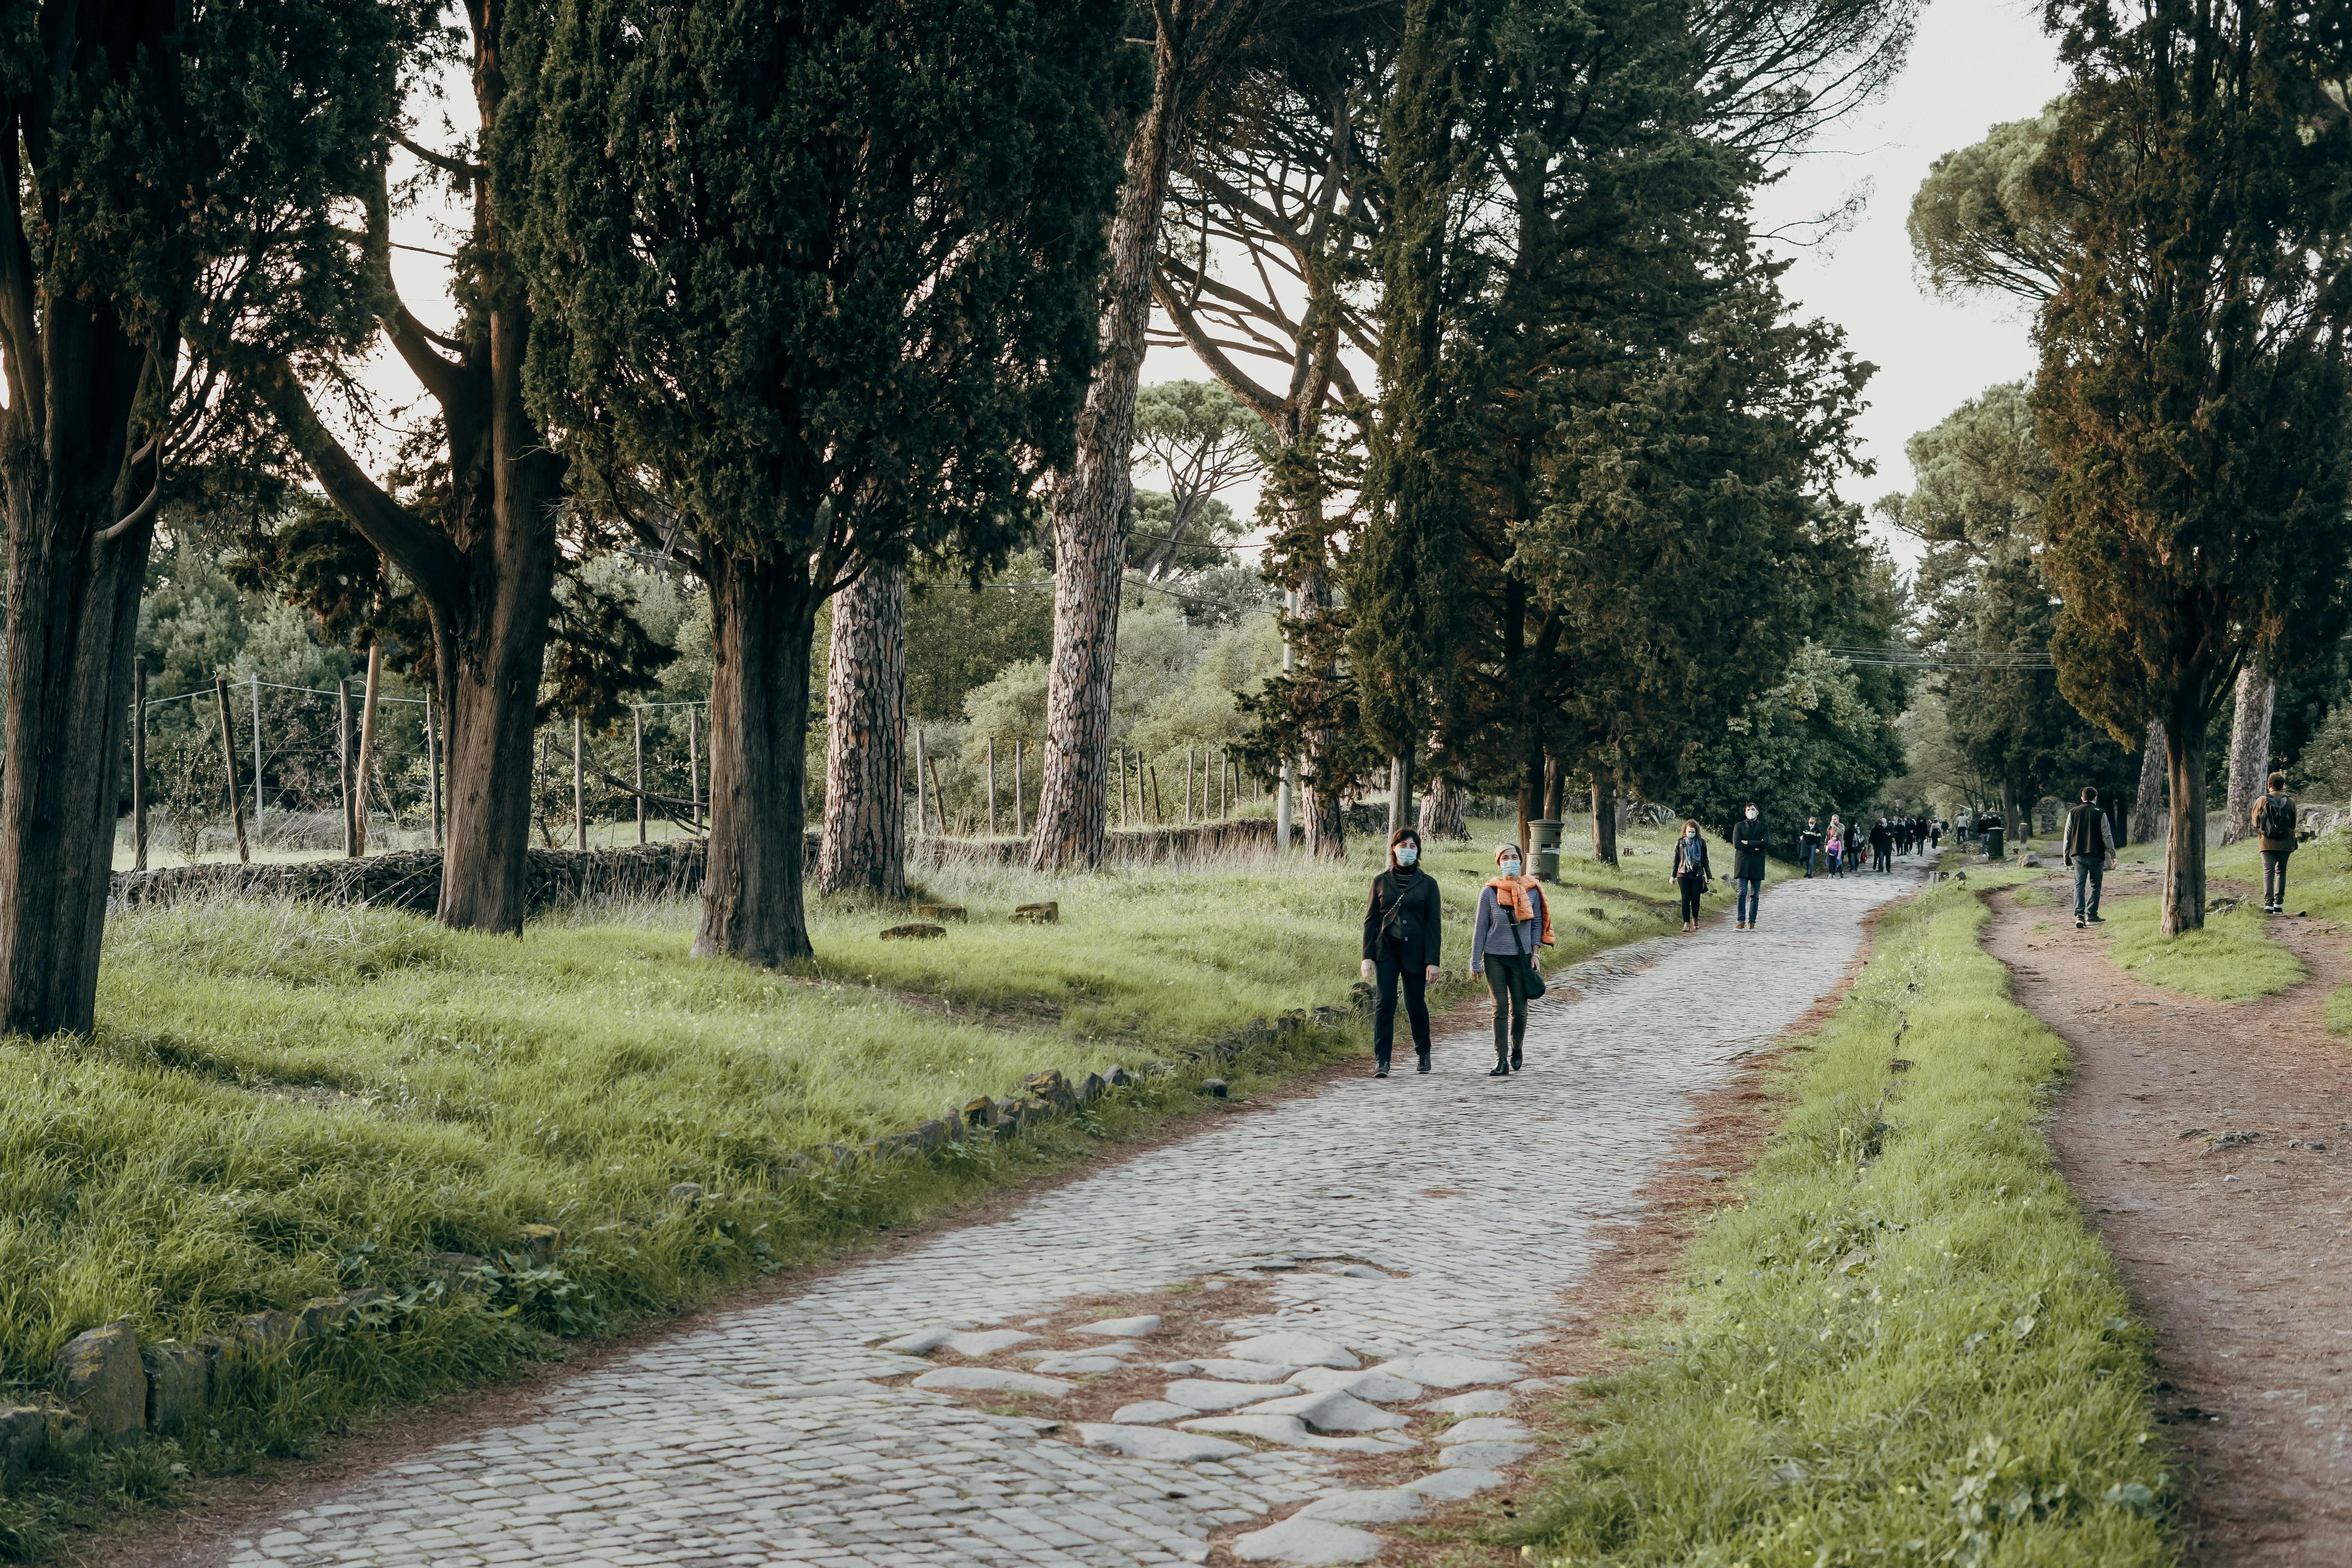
[(1748, 842), (1854, 843), (1506, 944), (2090, 850), (1809, 840), (1882, 847), (1834, 845), (1403, 929), (2274, 818), (1692, 873)]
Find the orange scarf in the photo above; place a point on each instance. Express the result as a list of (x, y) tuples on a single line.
[(1520, 894)]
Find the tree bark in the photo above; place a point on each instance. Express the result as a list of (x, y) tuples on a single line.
[(1604, 818), (1401, 812), (763, 620), (865, 843), (2249, 751), (2147, 813), (366, 762), (2184, 849), (1444, 808)]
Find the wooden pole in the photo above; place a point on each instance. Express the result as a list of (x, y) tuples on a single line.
[(367, 746), (431, 772), (693, 770), (939, 800), (1188, 787), (922, 824), (344, 763), (138, 763), (1019, 746), (1119, 756), (228, 755), (256, 755), (991, 786), (637, 721), (578, 784)]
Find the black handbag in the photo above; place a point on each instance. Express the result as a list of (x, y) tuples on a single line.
[(1534, 976)]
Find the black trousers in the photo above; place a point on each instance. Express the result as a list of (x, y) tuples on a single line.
[(1880, 860), (2274, 875), (1506, 977), (1389, 967), (1692, 888)]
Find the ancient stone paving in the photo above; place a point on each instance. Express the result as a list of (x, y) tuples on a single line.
[(1426, 1223)]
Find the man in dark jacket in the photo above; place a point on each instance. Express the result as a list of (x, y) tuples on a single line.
[(2274, 818), (1748, 842), (2090, 847), (1810, 841), (1882, 845)]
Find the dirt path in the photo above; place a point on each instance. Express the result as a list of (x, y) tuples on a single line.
[(2238, 1252)]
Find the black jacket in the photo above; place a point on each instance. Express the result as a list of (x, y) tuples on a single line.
[(1748, 842), (1404, 909), (1881, 837)]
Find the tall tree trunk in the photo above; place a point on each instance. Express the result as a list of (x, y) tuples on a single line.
[(763, 620), (2184, 849), (864, 841), (1604, 816), (1092, 506), (1444, 808), (1400, 813), (2147, 813), (72, 619), (2249, 751)]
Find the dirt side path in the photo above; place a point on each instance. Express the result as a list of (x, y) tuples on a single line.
[(2239, 1253)]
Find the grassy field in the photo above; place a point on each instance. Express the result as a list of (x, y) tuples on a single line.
[(1901, 1344), (282, 1102), (2232, 959)]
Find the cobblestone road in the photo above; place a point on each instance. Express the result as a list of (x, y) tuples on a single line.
[(787, 1434)]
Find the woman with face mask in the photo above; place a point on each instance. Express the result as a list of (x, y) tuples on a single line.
[(1692, 872), (1506, 945), (1402, 927), (1748, 842)]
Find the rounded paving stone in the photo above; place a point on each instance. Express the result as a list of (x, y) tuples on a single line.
[(1453, 1486), (992, 1379), (1478, 1402), (1121, 1328), (1294, 1350), (1241, 1371), (1157, 1443), (1297, 1539), (1333, 1413), (1374, 1385), (1387, 1505), (1203, 1394), (1452, 1371), (1484, 1429), (1150, 1411), (1486, 1456)]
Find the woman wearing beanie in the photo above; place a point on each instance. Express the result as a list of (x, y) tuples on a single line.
[(1507, 944)]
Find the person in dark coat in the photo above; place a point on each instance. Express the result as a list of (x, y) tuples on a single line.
[(1748, 842), (1810, 841), (1881, 843), (1692, 873), (1403, 929)]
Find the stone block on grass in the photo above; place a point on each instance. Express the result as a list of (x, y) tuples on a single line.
[(179, 1385), (540, 1243), (913, 931), (104, 1381)]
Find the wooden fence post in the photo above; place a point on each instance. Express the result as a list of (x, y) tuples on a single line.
[(991, 786), (939, 799), (228, 755), (1119, 753), (367, 747), (637, 721), (1188, 787), (1019, 745), (693, 771), (256, 755), (431, 773), (922, 824), (138, 763), (579, 785), (344, 763)]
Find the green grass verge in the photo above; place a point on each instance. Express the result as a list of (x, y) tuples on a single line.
[(1902, 1345), (2232, 959), (282, 1102)]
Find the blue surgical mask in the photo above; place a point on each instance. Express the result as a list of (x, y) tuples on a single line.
[(1407, 854), (1690, 833), (1510, 868)]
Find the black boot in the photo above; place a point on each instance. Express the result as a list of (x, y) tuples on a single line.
[(1379, 1066), (1423, 1058), (1502, 1067), (1519, 1059)]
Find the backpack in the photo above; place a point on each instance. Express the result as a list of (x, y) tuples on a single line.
[(2277, 820)]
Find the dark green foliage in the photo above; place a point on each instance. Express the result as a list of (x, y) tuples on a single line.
[(958, 638)]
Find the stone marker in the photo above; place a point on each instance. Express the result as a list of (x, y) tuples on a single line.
[(913, 931), (104, 1381), (1302, 1539), (1042, 914), (1306, 1349), (993, 1379), (942, 911), (1156, 1443)]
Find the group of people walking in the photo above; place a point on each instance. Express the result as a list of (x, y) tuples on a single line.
[(1843, 845)]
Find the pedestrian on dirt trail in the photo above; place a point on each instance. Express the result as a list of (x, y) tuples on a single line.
[(1506, 944), (1882, 847), (2090, 850), (1809, 840), (1692, 873), (1403, 927), (2274, 819), (1748, 842)]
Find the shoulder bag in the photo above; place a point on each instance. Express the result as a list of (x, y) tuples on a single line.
[(1534, 976)]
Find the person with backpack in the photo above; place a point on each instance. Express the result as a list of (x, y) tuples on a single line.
[(1692, 873), (1810, 841), (2274, 819), (1748, 842), (2090, 850), (1403, 928), (1506, 944)]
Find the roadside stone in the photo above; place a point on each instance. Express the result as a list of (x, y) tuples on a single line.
[(1387, 1505), (1121, 1328), (540, 1243), (1309, 1540), (179, 1385), (22, 1430), (1452, 1371), (1042, 915), (993, 1379), (913, 931), (1484, 1429), (1147, 1411), (1479, 1401), (1157, 1443), (1304, 1350), (1334, 1413), (1202, 1393), (104, 1381), (1239, 1370), (1484, 1455), (688, 1193), (1371, 1384), (1091, 1087), (1454, 1484)]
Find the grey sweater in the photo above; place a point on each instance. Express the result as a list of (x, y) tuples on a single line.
[(1492, 933)]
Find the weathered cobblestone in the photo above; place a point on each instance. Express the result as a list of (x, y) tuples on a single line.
[(763, 1438)]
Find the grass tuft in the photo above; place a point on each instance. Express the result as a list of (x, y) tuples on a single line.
[(2232, 959), (1901, 1344)]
